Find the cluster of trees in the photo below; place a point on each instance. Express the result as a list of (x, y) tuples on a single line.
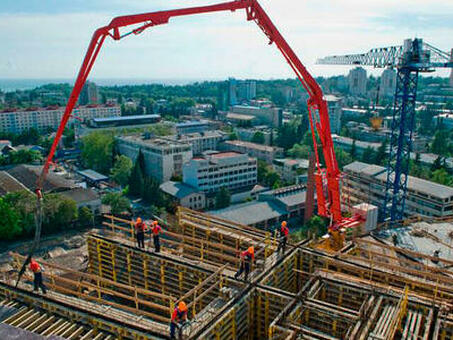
[(222, 198), (21, 157), (17, 217), (97, 151), (267, 176)]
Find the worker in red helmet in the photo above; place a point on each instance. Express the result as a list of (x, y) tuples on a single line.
[(246, 262), (178, 317), (156, 231), (284, 232), (37, 273), (140, 228)]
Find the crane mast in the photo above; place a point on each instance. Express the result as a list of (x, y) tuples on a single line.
[(410, 59)]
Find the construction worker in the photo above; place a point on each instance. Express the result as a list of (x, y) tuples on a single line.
[(37, 272), (140, 228), (156, 231), (178, 317), (246, 261), (284, 231)]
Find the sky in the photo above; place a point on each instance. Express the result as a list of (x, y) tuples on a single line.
[(48, 38)]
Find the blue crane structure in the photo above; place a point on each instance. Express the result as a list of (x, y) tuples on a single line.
[(409, 59)]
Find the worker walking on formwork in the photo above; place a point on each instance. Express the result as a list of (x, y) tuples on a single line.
[(37, 273), (178, 318), (284, 232), (140, 228), (156, 230), (246, 262)]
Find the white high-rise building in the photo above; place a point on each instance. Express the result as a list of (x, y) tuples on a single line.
[(388, 83), (357, 81), (334, 104)]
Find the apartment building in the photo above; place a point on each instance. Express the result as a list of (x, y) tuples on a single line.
[(262, 152), (16, 121), (357, 81), (290, 169), (214, 170), (366, 183), (334, 104), (248, 134), (164, 158), (202, 141), (271, 116)]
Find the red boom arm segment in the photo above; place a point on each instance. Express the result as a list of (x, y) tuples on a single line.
[(328, 196)]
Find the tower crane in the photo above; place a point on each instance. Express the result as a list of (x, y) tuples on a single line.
[(409, 59), (326, 180)]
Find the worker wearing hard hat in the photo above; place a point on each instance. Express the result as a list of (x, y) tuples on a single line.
[(37, 272), (246, 262), (140, 228), (156, 230), (178, 317), (283, 239)]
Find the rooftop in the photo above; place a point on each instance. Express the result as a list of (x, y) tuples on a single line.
[(93, 175), (238, 116), (251, 145), (177, 189), (192, 123), (9, 184), (413, 183), (251, 212), (122, 118), (81, 195), (157, 142)]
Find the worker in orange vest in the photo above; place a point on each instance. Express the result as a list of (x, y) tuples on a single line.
[(37, 272), (284, 232), (156, 231), (246, 262), (178, 317), (140, 228)]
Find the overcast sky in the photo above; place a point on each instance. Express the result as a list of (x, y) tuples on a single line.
[(48, 38)]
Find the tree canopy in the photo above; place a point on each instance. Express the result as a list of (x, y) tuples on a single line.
[(121, 170), (97, 148)]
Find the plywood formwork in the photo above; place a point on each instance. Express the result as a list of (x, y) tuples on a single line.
[(171, 280), (43, 315)]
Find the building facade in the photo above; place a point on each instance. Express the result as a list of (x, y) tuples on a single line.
[(290, 169), (184, 195), (241, 91), (202, 141), (164, 158), (357, 81), (214, 170), (366, 183), (262, 152), (388, 83), (271, 116), (248, 134), (193, 126), (335, 106), (89, 94), (49, 118)]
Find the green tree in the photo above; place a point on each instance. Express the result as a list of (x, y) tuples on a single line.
[(24, 157), (441, 176), (440, 143), (9, 222), (353, 149), (67, 212), (233, 136), (97, 148), (299, 151), (272, 178), (368, 155), (121, 170), (86, 217), (137, 179), (222, 198), (262, 171), (316, 225), (258, 138), (117, 202), (438, 164), (343, 158), (381, 153)]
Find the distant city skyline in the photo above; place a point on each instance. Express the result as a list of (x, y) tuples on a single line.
[(48, 39)]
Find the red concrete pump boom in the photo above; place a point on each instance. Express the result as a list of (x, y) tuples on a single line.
[(326, 180)]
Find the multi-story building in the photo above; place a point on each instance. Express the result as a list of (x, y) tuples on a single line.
[(388, 83), (444, 119), (202, 141), (214, 170), (366, 183), (290, 169), (249, 134), (263, 152), (184, 195), (89, 94), (193, 126), (164, 158), (360, 146), (335, 110), (271, 116), (241, 90), (49, 118), (357, 81)]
